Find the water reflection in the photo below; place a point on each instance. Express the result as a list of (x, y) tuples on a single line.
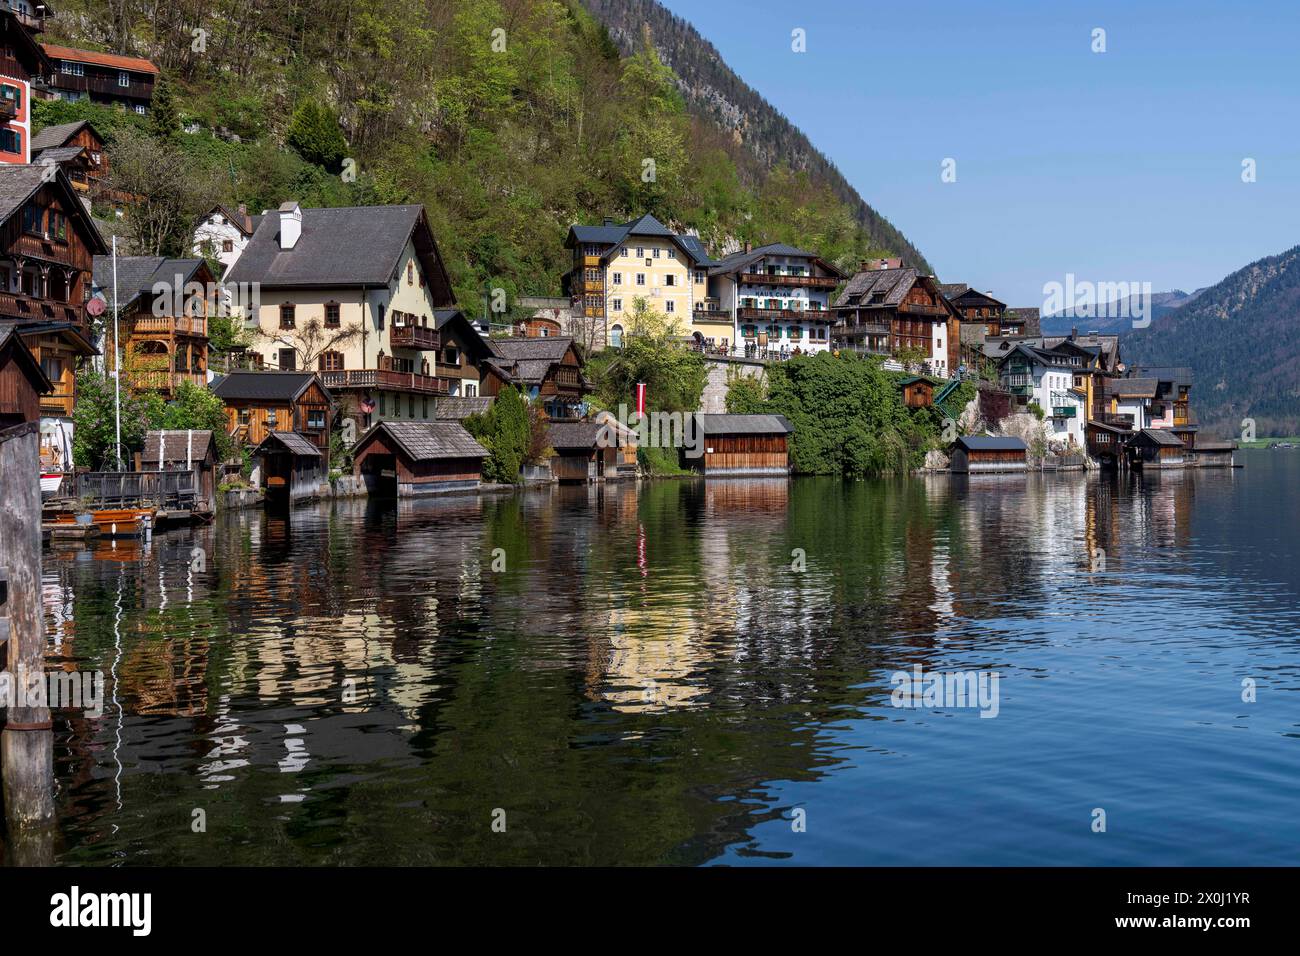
[(657, 674)]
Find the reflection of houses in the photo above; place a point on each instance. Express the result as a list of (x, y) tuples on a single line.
[(22, 383), (163, 307), (777, 298), (77, 149), (408, 459), (887, 309), (259, 403), (742, 445), (353, 294), (979, 454), (546, 369), (47, 244)]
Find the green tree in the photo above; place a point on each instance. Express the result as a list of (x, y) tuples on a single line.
[(655, 352), (506, 431), (164, 118), (196, 407), (316, 136)]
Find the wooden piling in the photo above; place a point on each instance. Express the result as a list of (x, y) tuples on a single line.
[(26, 745)]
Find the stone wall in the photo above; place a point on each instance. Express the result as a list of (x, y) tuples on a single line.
[(714, 399)]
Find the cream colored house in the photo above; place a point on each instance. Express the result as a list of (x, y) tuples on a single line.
[(615, 264), (361, 296)]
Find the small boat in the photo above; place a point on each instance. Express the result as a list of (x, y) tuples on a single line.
[(50, 481), (116, 522)]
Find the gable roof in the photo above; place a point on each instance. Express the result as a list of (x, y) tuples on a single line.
[(458, 408), (613, 234), (25, 49), (743, 424), (114, 60), (1133, 387), (973, 295), (528, 359), (245, 223), (265, 386), (952, 290), (574, 434), (990, 443), (424, 441), (740, 261), (455, 322), (10, 339), (172, 444), (59, 134), (1158, 436), (57, 154), (20, 183), (137, 275), (343, 246), (291, 442), (892, 285)]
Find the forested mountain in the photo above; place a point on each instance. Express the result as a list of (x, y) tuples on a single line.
[(508, 119), (712, 90), (1241, 338)]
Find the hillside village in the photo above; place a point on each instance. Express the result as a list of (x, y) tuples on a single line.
[(321, 351)]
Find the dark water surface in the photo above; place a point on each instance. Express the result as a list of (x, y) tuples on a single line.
[(649, 681)]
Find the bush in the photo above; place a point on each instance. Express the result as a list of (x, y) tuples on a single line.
[(315, 134)]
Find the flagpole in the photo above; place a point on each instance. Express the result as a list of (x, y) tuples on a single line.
[(117, 370)]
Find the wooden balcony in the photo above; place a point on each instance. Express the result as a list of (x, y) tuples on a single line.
[(934, 311), (103, 84), (807, 282), (568, 378), (593, 285), (711, 316), (29, 308), (594, 312), (415, 337), (170, 325), (165, 381), (8, 110), (58, 404), (386, 380), (799, 315)]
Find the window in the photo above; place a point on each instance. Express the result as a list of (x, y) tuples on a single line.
[(640, 278), (618, 278), (332, 315), (33, 215), (271, 418), (616, 305), (410, 406), (425, 402), (13, 94), (699, 278), (670, 280), (286, 315), (245, 416), (288, 360), (227, 245), (640, 252), (471, 389), (58, 226), (316, 419), (657, 251), (330, 361), (616, 336), (672, 253), (123, 78), (383, 405), (410, 273), (670, 306), (380, 320), (451, 355), (72, 69), (139, 108), (52, 366)]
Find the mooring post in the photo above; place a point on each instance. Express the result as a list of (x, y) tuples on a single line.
[(27, 744)]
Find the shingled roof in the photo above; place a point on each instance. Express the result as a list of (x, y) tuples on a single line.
[(1158, 436), (58, 135), (263, 386), (613, 234), (459, 408), (19, 183), (743, 424), (1134, 387), (891, 284), (292, 442), (347, 246), (137, 275), (424, 441), (740, 261), (170, 446), (990, 443)]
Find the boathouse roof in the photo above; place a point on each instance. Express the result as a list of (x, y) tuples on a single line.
[(1158, 436), (990, 443), (169, 445), (744, 424), (292, 442), (422, 441), (270, 386)]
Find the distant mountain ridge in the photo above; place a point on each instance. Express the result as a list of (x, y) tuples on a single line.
[(1114, 318), (713, 91), (1241, 339)]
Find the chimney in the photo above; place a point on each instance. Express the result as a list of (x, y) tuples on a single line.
[(609, 220), (749, 247), (290, 224), (244, 220), (1074, 333)]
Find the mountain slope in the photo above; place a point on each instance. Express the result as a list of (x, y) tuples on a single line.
[(713, 91), (1241, 338), (1117, 318)]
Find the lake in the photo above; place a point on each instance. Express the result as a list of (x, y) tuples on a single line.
[(684, 673)]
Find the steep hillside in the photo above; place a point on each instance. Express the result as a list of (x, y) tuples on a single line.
[(713, 91), (1241, 338)]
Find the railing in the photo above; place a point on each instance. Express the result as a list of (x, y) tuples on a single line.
[(415, 337), (800, 314), (855, 329), (57, 403), (8, 109), (21, 305), (710, 315), (813, 282), (1014, 381), (915, 309), (162, 489), (1117, 421), (379, 378), (566, 377), (106, 85), (165, 381), (171, 324)]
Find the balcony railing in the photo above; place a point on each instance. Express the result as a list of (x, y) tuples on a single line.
[(855, 329), (171, 325), (797, 314), (807, 282), (378, 378), (1115, 420), (415, 337), (713, 316), (913, 308), (165, 381)]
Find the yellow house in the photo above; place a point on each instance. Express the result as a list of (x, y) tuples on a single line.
[(359, 295), (614, 264)]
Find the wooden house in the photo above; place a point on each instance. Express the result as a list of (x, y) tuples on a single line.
[(886, 309), (1211, 453), (548, 369), (22, 65), (163, 309), (47, 246), (107, 78), (984, 454), (22, 383), (918, 391), (591, 451), (741, 446), (411, 459), (1156, 448), (261, 403), (185, 450), (1107, 442), (290, 467), (461, 350), (77, 149)]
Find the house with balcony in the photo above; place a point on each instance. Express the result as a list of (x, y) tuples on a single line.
[(548, 369), (77, 149), (461, 351), (163, 308), (888, 308), (1170, 407), (22, 63), (777, 298), (353, 294), (47, 247), (1049, 379), (105, 78), (615, 264)]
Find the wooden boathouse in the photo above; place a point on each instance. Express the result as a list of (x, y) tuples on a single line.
[(1215, 454), (741, 446), (185, 450), (1156, 448), (988, 454), (579, 454), (22, 381), (408, 459), (290, 468)]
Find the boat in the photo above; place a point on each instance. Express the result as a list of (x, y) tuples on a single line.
[(115, 522), (50, 481)]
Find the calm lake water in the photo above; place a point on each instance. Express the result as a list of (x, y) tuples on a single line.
[(648, 681)]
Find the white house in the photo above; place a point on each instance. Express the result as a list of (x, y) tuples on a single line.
[(223, 235), (1046, 377)]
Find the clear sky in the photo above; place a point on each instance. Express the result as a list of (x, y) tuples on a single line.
[(1117, 166)]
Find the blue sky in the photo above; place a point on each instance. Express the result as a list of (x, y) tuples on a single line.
[(1116, 166)]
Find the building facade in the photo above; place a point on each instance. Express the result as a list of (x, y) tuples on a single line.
[(105, 78), (889, 309)]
